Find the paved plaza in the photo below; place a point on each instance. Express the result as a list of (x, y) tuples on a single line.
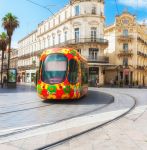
[(129, 132)]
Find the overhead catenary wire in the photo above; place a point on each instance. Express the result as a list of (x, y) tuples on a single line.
[(30, 1), (116, 4)]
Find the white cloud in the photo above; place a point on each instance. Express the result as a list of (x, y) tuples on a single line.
[(134, 3)]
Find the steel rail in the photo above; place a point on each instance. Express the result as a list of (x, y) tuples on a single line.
[(61, 120), (19, 110), (62, 141)]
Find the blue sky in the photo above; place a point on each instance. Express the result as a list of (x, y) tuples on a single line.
[(31, 15)]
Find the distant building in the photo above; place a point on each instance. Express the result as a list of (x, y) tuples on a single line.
[(5, 64), (127, 50), (14, 58), (78, 25)]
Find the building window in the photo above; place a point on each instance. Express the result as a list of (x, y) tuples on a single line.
[(93, 34), (59, 38), (65, 36), (125, 21), (93, 10), (93, 53), (77, 35), (125, 46), (125, 61), (125, 32), (49, 25), (53, 22), (79, 50), (77, 10), (65, 14), (59, 19), (53, 40), (44, 43), (48, 41), (44, 27)]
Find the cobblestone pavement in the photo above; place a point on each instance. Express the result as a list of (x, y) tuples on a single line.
[(130, 132)]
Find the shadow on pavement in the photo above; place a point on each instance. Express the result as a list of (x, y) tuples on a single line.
[(18, 89), (93, 97)]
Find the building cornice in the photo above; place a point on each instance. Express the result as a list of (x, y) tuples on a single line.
[(30, 34), (69, 19), (79, 1)]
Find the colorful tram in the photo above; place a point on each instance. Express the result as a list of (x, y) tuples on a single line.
[(63, 74)]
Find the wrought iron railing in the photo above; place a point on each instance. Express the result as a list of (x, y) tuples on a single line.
[(99, 59), (124, 53), (68, 43)]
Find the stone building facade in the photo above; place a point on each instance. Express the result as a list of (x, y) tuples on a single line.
[(14, 58), (79, 25), (127, 50)]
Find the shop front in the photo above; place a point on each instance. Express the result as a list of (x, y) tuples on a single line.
[(93, 76), (30, 76)]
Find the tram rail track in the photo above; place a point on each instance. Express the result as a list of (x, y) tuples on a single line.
[(2, 135), (62, 141), (19, 110)]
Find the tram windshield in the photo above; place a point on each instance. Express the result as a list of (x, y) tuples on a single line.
[(54, 69)]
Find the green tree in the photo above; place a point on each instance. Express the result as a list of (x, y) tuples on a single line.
[(10, 23), (3, 46)]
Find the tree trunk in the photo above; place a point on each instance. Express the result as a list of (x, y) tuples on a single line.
[(9, 51), (2, 69)]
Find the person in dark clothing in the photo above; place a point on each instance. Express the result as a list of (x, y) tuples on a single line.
[(4, 81)]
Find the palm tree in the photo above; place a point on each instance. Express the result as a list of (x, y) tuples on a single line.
[(3, 46), (10, 23)]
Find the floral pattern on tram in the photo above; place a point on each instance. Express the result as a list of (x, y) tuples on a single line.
[(63, 90)]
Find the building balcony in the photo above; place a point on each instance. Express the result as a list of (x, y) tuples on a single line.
[(124, 53), (140, 67), (69, 43), (123, 38), (99, 59), (142, 40), (79, 41), (27, 67), (25, 56), (142, 54)]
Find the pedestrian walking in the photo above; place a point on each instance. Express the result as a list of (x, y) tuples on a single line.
[(4, 81), (112, 83), (97, 82)]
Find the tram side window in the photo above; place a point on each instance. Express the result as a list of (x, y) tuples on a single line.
[(84, 71), (73, 71)]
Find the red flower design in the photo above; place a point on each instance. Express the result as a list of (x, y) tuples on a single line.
[(71, 93), (45, 93), (66, 82), (39, 81), (69, 56), (59, 94)]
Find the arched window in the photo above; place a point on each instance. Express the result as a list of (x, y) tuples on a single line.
[(93, 10), (77, 10), (125, 32)]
